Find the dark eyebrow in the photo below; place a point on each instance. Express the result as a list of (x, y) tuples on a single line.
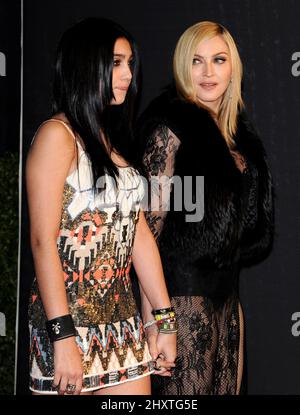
[(216, 54), (120, 55)]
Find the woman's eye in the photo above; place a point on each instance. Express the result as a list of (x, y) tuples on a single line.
[(196, 61), (220, 60), (117, 62)]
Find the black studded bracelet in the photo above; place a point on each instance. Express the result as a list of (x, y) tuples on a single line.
[(60, 328)]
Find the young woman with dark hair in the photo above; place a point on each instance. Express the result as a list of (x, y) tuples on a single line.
[(87, 227)]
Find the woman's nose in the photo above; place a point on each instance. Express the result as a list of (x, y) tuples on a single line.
[(127, 74), (208, 69)]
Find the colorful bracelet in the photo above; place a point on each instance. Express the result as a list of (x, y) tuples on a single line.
[(166, 320), (61, 328), (163, 311), (167, 325), (165, 316)]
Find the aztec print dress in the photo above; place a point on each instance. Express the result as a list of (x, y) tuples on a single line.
[(95, 242)]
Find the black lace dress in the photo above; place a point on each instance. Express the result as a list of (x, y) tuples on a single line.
[(210, 336)]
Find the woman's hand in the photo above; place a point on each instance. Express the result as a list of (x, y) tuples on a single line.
[(166, 346), (68, 368), (162, 348)]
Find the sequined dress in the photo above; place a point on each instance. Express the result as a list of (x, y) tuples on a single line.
[(95, 242)]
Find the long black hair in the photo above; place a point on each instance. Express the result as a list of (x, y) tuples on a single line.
[(82, 90)]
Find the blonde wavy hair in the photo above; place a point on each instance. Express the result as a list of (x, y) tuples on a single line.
[(232, 101)]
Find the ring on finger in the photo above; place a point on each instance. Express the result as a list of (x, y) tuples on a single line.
[(156, 366), (70, 389)]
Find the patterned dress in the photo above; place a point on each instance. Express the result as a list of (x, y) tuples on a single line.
[(95, 243)]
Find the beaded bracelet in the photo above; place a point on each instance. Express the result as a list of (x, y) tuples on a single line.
[(167, 325), (166, 320), (163, 313), (165, 316)]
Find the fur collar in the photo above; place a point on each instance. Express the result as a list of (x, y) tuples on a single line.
[(223, 237)]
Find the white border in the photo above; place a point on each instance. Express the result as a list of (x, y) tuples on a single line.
[(20, 193)]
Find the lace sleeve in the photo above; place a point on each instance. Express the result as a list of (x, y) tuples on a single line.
[(159, 162)]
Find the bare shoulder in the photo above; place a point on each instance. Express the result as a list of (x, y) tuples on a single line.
[(53, 134), (52, 150)]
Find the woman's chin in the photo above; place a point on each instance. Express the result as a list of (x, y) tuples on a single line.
[(117, 101)]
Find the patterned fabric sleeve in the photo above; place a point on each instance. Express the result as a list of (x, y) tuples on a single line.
[(159, 162)]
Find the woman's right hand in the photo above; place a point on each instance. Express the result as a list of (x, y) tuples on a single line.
[(67, 365), (157, 345), (167, 349)]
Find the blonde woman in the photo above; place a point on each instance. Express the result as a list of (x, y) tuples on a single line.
[(198, 128)]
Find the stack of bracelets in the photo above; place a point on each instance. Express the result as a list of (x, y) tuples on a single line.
[(165, 319)]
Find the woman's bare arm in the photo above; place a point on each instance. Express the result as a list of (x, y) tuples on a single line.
[(49, 161), (147, 264)]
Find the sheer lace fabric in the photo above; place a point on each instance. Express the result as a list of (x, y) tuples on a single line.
[(209, 341), (208, 349), (159, 161)]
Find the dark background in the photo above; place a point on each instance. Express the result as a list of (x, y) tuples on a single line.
[(267, 33), (10, 29), (10, 46)]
